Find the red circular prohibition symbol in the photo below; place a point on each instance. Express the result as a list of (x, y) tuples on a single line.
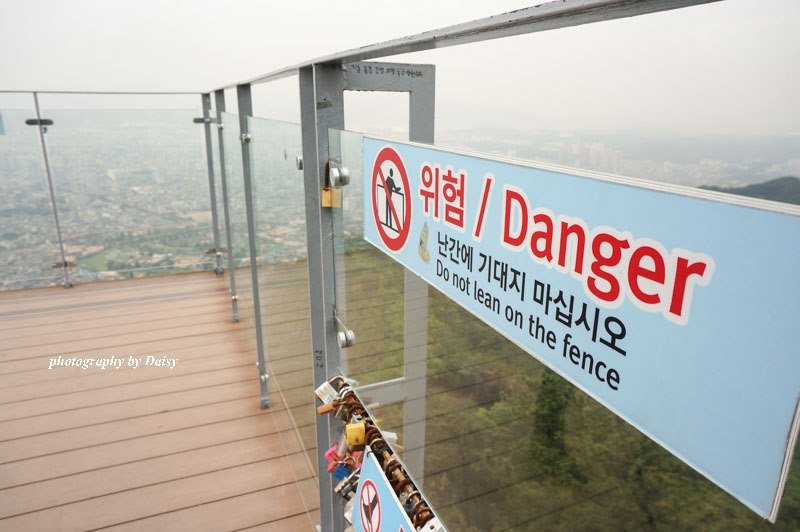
[(370, 507), (393, 233)]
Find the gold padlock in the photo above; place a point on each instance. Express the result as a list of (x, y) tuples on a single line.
[(355, 434), (331, 197)]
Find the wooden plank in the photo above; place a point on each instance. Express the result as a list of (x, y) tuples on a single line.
[(82, 301), (87, 319), (113, 342), (55, 292), (131, 475), (122, 396), (298, 522), (77, 438), (82, 295), (242, 386), (47, 337), (183, 344), (278, 509), (42, 382), (161, 497), (72, 462)]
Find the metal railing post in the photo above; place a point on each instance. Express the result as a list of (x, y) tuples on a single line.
[(321, 107), (219, 103), (411, 389), (206, 99), (415, 304), (48, 170), (245, 101)]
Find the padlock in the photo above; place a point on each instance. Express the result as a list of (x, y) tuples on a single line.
[(434, 525), (348, 486), (326, 393), (348, 490), (407, 500), (344, 390), (355, 433), (328, 408), (341, 449), (343, 413), (332, 458), (358, 459), (341, 472)]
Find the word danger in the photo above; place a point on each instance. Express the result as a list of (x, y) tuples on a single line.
[(610, 264)]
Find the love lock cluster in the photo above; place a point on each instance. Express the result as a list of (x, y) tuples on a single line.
[(346, 456)]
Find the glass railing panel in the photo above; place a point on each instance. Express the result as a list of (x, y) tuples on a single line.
[(132, 190), (28, 240), (369, 285), (279, 201), (505, 443)]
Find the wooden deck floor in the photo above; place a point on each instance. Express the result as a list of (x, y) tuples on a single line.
[(147, 448)]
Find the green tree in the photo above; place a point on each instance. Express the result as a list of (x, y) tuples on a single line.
[(548, 449)]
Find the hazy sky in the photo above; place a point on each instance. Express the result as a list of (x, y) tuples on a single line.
[(724, 68)]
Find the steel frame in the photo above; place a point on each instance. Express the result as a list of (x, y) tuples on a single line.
[(206, 101), (322, 108), (45, 154), (219, 104), (245, 102)]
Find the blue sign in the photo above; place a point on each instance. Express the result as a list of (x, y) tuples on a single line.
[(376, 507), (675, 308)]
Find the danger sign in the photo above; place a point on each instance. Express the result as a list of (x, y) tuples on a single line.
[(370, 507), (631, 298), (376, 505), (391, 199)]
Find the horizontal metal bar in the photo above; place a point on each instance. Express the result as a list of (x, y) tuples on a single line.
[(132, 93), (384, 392), (549, 16)]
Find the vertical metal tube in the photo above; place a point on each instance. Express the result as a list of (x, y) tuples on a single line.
[(246, 110), (219, 100), (67, 280), (206, 100), (321, 107), (415, 307)]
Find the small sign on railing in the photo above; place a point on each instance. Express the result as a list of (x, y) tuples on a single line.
[(37, 122)]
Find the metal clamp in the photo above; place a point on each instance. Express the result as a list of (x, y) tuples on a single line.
[(345, 336), (247, 137), (340, 176)]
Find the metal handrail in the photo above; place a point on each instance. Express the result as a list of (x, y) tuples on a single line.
[(543, 17), (548, 16)]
